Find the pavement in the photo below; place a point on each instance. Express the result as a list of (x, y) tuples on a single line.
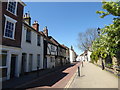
[(92, 76), (51, 78)]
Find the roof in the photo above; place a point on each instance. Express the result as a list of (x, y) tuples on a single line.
[(53, 40), (21, 2), (32, 28), (64, 46), (56, 42)]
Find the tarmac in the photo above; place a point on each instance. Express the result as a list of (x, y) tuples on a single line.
[(92, 76), (50, 78)]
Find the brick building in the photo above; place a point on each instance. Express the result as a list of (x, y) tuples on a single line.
[(12, 16)]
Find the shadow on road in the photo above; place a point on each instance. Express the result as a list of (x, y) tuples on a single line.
[(49, 79)]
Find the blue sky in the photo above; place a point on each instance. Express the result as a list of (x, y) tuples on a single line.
[(66, 19)]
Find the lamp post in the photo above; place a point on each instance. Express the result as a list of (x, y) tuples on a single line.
[(103, 67), (98, 30)]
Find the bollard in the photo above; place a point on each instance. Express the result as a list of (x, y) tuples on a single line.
[(82, 63), (78, 71)]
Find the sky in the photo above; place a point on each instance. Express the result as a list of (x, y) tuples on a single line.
[(65, 20)]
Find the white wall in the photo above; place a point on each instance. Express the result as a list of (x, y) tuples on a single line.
[(49, 49), (51, 54), (10, 51), (88, 54), (72, 56), (32, 48), (49, 63)]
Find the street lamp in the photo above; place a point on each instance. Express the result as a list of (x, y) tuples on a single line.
[(103, 67), (98, 30)]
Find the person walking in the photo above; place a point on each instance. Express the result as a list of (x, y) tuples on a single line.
[(103, 67)]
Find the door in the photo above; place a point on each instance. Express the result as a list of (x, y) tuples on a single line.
[(38, 60), (23, 63), (13, 65), (30, 62), (45, 63)]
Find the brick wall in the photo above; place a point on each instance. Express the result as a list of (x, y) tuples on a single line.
[(18, 29)]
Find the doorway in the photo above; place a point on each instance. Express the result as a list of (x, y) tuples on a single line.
[(45, 63), (23, 63), (30, 62), (13, 65)]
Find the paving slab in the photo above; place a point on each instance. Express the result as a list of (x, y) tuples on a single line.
[(93, 76)]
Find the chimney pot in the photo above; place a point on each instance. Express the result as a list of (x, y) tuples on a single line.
[(27, 18), (35, 25), (45, 31)]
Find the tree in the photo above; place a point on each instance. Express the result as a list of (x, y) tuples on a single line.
[(86, 38), (109, 41)]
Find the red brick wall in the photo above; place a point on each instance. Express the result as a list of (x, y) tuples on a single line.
[(18, 28)]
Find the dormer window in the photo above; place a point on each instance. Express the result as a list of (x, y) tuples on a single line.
[(12, 6)]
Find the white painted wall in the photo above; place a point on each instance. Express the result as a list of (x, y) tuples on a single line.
[(88, 54), (49, 50), (32, 48), (10, 51), (50, 54), (72, 56), (49, 63)]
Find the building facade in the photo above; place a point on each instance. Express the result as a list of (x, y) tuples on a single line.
[(32, 46), (50, 50), (10, 48), (73, 55)]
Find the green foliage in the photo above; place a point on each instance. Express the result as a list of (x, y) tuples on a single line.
[(109, 65), (108, 42)]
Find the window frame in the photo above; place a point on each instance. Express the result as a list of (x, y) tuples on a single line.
[(1, 52), (15, 7), (39, 44), (29, 41), (52, 48), (9, 19)]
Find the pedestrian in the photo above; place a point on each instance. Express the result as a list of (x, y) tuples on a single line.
[(103, 67)]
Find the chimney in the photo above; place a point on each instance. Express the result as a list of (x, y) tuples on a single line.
[(35, 25), (45, 31), (27, 18)]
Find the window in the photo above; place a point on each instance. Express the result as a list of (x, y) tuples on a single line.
[(52, 48), (38, 40), (3, 65), (3, 58), (12, 6), (28, 36), (9, 27)]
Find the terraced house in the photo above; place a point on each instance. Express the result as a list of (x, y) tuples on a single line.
[(50, 50), (10, 48), (24, 47), (32, 46)]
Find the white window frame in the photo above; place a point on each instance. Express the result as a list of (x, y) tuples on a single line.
[(6, 59), (30, 36), (15, 8), (12, 21)]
